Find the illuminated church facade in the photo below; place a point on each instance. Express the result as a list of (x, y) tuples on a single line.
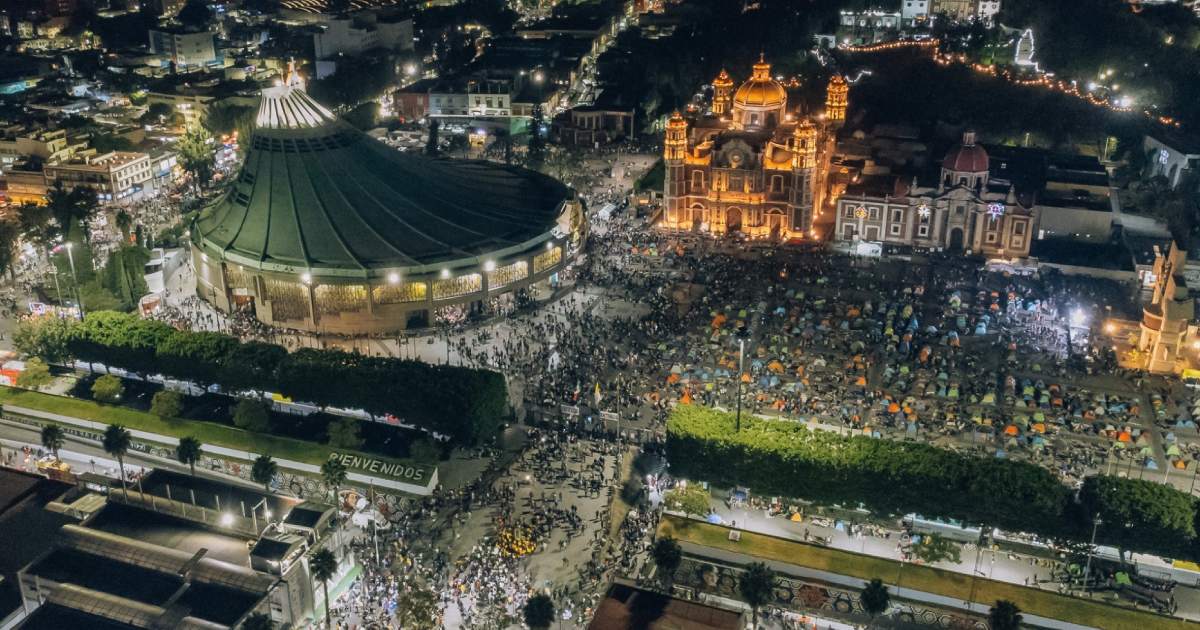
[(751, 166)]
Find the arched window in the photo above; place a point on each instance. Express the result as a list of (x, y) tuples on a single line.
[(777, 183), (697, 180)]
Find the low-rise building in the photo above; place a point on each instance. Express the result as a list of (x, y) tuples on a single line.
[(115, 175), (189, 51), (589, 125), (1172, 156)]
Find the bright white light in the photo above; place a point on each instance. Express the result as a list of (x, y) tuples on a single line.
[(489, 265), (306, 277), (445, 273), (393, 278), (1078, 317), (227, 519)]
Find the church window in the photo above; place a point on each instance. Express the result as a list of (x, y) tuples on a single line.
[(848, 211), (753, 119), (873, 214), (698, 180), (962, 181), (894, 229), (897, 216), (991, 236), (959, 210), (777, 183), (1019, 228), (923, 229)]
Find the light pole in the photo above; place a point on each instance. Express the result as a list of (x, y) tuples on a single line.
[(1087, 571), (75, 278), (741, 333)]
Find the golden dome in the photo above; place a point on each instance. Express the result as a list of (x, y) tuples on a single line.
[(760, 90)]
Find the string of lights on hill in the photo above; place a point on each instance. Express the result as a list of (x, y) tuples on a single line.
[(322, 6), (1024, 78)]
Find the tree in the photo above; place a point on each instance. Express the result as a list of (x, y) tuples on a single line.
[(53, 438), (875, 598), (934, 548), (166, 404), (324, 566), (416, 607), (68, 206), (124, 222), (36, 375), (251, 415), (45, 337), (116, 443), (108, 389), (157, 111), (10, 236), (1140, 515), (757, 587), (1004, 615), (431, 143), (194, 14), (196, 154), (264, 470), (344, 433), (536, 150), (667, 557), (505, 139), (333, 471), (188, 452), (539, 612), (258, 621), (692, 499), (424, 449)]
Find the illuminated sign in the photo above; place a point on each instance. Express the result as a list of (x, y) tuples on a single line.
[(374, 466)]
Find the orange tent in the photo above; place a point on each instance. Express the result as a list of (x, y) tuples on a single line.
[(1124, 436), (1038, 427), (745, 377), (672, 379), (719, 320), (1011, 430), (861, 381), (893, 408), (687, 397)]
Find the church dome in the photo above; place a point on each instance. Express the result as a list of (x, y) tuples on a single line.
[(760, 90), (967, 157)]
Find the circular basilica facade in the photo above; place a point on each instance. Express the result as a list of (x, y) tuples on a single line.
[(328, 230)]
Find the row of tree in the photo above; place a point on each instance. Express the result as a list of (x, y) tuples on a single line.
[(468, 405), (784, 458), (758, 583)]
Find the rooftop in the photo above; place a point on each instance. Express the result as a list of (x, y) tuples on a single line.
[(172, 533), (316, 194), (55, 617)]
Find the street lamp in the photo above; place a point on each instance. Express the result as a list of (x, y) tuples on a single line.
[(1087, 571), (741, 335), (75, 278)]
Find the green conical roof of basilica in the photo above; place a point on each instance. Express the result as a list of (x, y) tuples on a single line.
[(316, 195)]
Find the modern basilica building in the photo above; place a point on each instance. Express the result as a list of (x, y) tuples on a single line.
[(327, 230)]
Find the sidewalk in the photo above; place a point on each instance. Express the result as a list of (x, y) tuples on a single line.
[(849, 569)]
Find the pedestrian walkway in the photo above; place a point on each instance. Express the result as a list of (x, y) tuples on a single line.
[(852, 570)]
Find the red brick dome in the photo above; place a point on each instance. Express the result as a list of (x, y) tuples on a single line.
[(967, 157)]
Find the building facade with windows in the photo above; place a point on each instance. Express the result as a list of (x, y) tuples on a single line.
[(328, 230), (963, 211), (189, 51), (115, 175), (749, 166)]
